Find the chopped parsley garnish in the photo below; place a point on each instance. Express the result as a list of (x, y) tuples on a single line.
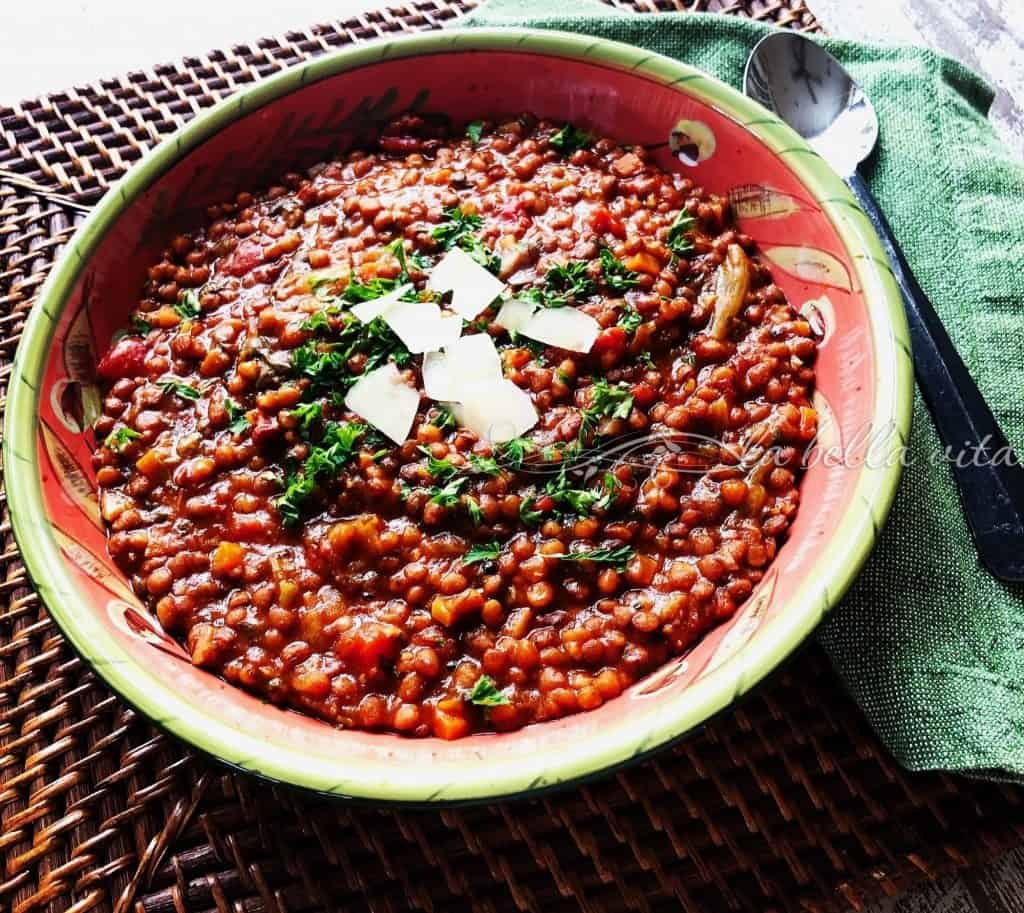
[(527, 514), (513, 453), (119, 438), (325, 461), (485, 693), (188, 305), (581, 501), (572, 279), (237, 415), (646, 359), (327, 364), (487, 551), (368, 291), (177, 388), (441, 417), (140, 325), (308, 415), (473, 130), (448, 494), (397, 247), (617, 557), (678, 240), (630, 319), (569, 139), (617, 276), (476, 514), (562, 283), (319, 320), (486, 466), (606, 401), (440, 469), (459, 230)]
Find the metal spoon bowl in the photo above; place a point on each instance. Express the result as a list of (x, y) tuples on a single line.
[(810, 90)]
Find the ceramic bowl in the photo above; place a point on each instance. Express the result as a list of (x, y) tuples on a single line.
[(822, 252)]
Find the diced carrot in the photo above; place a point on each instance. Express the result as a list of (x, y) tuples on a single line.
[(228, 559), (644, 262), (448, 726), (150, 464)]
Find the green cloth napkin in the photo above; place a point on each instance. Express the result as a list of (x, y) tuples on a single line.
[(928, 643)]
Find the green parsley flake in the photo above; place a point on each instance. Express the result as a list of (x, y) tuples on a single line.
[(569, 139), (459, 230), (177, 388), (238, 416), (678, 235), (630, 319), (616, 557), (487, 551), (324, 462), (188, 305), (474, 129), (617, 276), (118, 439), (485, 693)]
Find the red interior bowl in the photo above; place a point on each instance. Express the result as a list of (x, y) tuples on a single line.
[(823, 255)]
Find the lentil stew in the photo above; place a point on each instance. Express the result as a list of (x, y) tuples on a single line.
[(447, 585)]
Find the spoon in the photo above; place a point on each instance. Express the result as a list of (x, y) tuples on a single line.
[(808, 88)]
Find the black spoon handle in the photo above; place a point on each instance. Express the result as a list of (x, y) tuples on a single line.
[(988, 473)]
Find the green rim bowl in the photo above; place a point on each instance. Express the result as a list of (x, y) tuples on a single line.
[(822, 252)]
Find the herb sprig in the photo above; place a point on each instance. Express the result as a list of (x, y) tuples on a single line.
[(617, 557), (459, 229), (325, 461), (485, 693), (486, 551), (569, 139), (120, 438)]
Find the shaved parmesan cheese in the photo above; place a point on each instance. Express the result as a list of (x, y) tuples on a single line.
[(438, 382), (566, 328), (472, 287), (421, 326), (496, 411), (515, 313), (369, 310), (386, 401), (467, 361)]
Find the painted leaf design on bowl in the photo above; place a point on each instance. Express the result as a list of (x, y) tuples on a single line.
[(757, 201), (94, 566), (74, 480), (811, 264)]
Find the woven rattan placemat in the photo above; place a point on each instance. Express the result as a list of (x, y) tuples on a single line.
[(788, 802)]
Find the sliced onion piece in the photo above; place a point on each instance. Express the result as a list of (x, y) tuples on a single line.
[(422, 326), (472, 287), (566, 328), (386, 401), (370, 310), (515, 313), (497, 411)]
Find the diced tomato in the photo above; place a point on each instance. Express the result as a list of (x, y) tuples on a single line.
[(126, 359), (612, 341), (601, 220), (644, 395), (243, 258)]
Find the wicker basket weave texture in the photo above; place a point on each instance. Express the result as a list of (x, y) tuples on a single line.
[(788, 802)]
